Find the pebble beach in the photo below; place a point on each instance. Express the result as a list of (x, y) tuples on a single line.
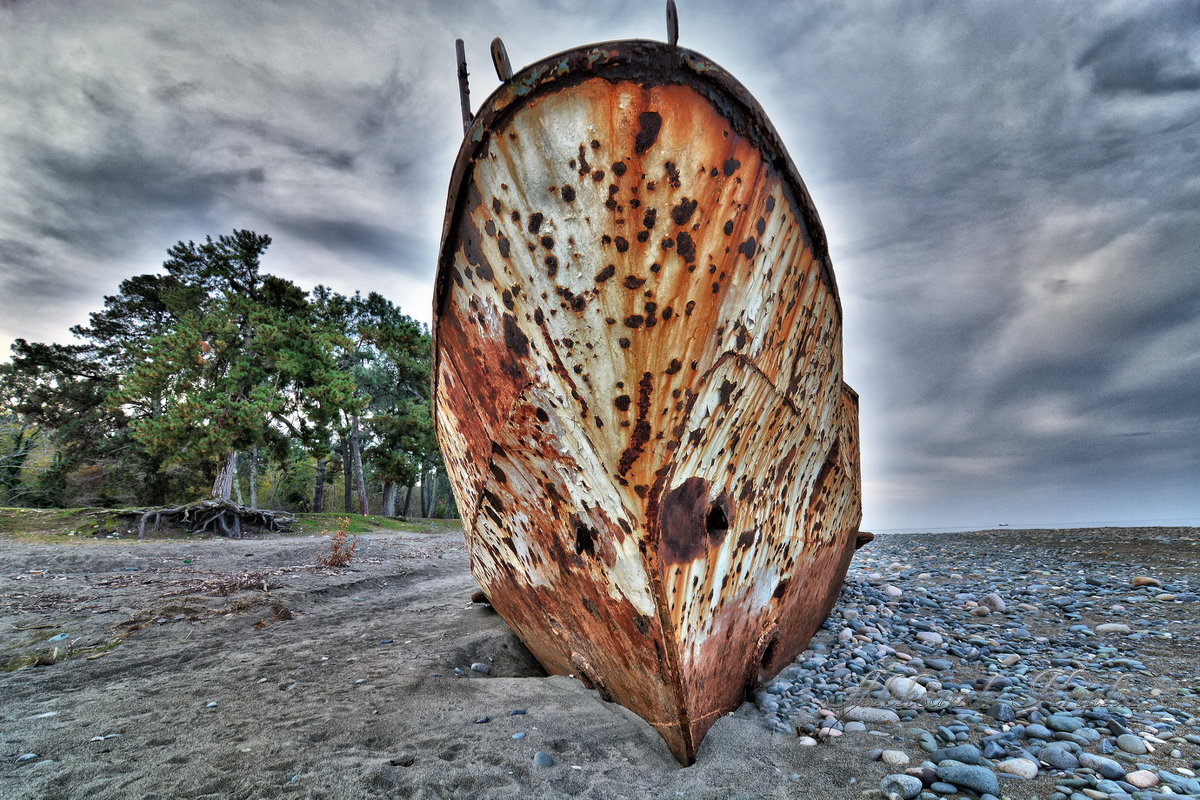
[(997, 664), (1039, 664)]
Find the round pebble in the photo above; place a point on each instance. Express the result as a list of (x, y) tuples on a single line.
[(1021, 767), (1032, 665), (871, 714), (543, 759), (1142, 779), (1132, 744)]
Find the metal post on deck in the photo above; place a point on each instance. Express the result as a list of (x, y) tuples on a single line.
[(464, 87)]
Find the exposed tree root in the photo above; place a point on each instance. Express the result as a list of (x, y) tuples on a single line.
[(218, 517)]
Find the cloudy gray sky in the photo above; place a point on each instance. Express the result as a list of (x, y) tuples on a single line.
[(1011, 192)]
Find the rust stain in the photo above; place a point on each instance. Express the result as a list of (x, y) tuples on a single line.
[(638, 382)]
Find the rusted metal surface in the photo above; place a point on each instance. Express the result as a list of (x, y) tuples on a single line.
[(638, 381)]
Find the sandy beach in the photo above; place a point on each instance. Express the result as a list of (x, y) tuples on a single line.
[(215, 668)]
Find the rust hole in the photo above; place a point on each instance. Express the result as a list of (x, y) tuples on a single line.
[(717, 521), (585, 540), (769, 650)]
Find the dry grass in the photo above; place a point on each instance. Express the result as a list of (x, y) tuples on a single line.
[(341, 546)]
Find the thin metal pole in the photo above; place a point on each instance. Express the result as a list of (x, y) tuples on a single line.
[(464, 87)]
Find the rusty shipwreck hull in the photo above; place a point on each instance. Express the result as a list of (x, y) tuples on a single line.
[(638, 381)]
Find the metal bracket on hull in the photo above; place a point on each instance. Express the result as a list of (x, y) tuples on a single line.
[(500, 60)]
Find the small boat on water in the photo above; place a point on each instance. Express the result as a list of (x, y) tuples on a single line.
[(638, 380)]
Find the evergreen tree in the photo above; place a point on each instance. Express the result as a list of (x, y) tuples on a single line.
[(239, 367), (181, 372)]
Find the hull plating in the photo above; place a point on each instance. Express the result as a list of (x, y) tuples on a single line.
[(638, 382)]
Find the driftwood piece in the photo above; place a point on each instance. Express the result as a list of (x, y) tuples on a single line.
[(217, 517)]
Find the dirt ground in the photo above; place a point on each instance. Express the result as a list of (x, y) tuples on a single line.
[(214, 668)]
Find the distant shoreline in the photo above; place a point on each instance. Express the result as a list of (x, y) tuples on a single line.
[(1074, 526)]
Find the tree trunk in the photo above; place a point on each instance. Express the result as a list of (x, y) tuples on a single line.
[(360, 484), (237, 485), (389, 499), (254, 478), (407, 499), (422, 493), (319, 488), (434, 491), (223, 485), (347, 477)]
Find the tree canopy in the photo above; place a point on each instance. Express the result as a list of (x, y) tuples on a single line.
[(214, 375)]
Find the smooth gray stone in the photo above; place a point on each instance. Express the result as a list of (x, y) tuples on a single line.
[(906, 786), (1036, 731), (1058, 758), (1001, 712), (966, 753), (1105, 766), (1132, 743), (1064, 723), (543, 759), (981, 779)]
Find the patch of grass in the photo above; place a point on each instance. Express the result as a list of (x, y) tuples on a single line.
[(319, 523), (95, 524), (19, 662), (58, 524), (48, 658)]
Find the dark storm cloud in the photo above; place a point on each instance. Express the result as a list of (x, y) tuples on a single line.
[(1019, 257), (333, 158), (349, 236), (1010, 191), (1150, 56)]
